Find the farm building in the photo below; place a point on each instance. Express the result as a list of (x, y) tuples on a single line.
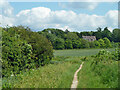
[(89, 38)]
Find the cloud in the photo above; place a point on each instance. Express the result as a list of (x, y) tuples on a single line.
[(39, 18), (112, 18), (42, 17), (6, 13), (6, 8), (6, 21)]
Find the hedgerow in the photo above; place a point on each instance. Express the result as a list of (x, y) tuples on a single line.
[(23, 49), (104, 65)]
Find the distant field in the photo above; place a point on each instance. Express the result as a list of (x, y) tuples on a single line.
[(78, 52)]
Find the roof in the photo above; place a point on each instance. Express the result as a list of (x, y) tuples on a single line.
[(89, 37)]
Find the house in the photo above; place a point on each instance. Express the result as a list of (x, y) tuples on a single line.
[(89, 38)]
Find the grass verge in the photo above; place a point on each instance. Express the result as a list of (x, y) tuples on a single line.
[(50, 76)]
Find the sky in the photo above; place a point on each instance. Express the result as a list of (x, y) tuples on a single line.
[(74, 16)]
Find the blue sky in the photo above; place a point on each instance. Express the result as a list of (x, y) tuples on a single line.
[(74, 16)]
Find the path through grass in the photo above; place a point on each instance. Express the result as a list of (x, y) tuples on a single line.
[(50, 76)]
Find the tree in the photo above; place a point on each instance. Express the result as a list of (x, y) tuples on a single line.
[(98, 34), (59, 43), (84, 44), (107, 42), (76, 43), (71, 36), (97, 44), (101, 42), (68, 44), (107, 33), (92, 44), (42, 49), (66, 31), (116, 35)]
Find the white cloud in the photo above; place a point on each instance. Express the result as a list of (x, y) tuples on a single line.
[(42, 17), (6, 8), (112, 18), (6, 13), (4, 21)]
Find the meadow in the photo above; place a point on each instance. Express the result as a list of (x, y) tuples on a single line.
[(55, 75), (79, 52), (60, 71)]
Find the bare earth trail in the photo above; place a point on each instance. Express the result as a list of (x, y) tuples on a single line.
[(75, 81)]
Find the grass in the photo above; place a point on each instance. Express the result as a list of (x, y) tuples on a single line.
[(50, 76), (59, 74), (78, 52), (89, 79)]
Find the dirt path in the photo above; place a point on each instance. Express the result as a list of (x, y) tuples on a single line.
[(75, 81)]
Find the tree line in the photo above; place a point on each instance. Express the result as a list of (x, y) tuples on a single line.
[(24, 49), (73, 40)]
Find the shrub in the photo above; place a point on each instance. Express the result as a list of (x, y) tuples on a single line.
[(16, 54), (101, 42), (23, 49), (68, 44), (107, 42), (104, 66)]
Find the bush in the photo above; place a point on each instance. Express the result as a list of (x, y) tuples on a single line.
[(59, 43), (16, 54), (23, 49), (107, 42), (104, 66), (68, 44), (84, 44), (101, 42)]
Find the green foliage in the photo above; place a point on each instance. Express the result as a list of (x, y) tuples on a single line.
[(24, 49), (104, 35), (76, 44), (59, 43), (97, 44), (50, 76), (105, 66), (16, 54), (107, 42), (71, 36), (84, 43), (92, 44), (101, 42), (68, 44), (116, 35)]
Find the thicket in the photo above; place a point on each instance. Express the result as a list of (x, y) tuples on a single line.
[(23, 49), (104, 65), (73, 40)]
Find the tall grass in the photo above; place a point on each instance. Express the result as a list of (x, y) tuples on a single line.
[(50, 76), (99, 71)]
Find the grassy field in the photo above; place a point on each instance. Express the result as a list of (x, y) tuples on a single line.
[(89, 79), (78, 52), (59, 73)]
